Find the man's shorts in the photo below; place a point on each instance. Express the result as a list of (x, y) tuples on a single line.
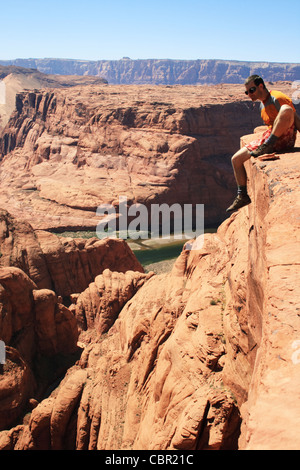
[(283, 143)]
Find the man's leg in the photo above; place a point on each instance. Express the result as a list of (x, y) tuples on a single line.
[(238, 160), (284, 120)]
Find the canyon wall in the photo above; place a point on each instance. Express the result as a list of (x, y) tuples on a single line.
[(65, 265), (101, 355), (164, 71), (203, 357), (15, 79), (64, 152)]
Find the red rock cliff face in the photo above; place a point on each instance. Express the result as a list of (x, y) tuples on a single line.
[(164, 71), (64, 265), (66, 151), (204, 357), (272, 410)]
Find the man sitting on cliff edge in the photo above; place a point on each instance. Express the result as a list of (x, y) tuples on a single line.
[(279, 114)]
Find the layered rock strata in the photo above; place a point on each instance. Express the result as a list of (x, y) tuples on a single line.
[(65, 265), (164, 71), (66, 152), (14, 80), (199, 358), (39, 330)]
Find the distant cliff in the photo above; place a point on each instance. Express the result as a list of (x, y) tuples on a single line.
[(164, 72)]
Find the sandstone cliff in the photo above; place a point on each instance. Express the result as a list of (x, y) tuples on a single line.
[(164, 71), (65, 152), (64, 265), (203, 357), (40, 276), (17, 79)]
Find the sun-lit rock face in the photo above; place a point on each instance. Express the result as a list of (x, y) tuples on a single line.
[(205, 356), (65, 151), (198, 358)]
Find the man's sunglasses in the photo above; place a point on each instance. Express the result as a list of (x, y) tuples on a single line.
[(251, 90)]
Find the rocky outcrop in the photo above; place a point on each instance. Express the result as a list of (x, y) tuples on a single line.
[(65, 265), (40, 332), (29, 307), (15, 79), (98, 306), (153, 382), (16, 388), (33, 325), (198, 358), (272, 305), (164, 71)]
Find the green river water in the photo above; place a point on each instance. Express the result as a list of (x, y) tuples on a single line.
[(148, 251)]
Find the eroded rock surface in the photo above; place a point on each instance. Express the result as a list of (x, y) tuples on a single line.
[(65, 265), (67, 151), (164, 71), (203, 357)]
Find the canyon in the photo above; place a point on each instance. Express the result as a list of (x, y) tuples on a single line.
[(65, 151), (102, 355), (193, 359)]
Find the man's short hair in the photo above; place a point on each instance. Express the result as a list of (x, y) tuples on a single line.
[(256, 79)]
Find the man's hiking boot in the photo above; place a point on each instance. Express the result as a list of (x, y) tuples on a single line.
[(263, 149), (240, 201)]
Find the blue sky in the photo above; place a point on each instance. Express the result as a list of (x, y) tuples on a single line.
[(188, 29)]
